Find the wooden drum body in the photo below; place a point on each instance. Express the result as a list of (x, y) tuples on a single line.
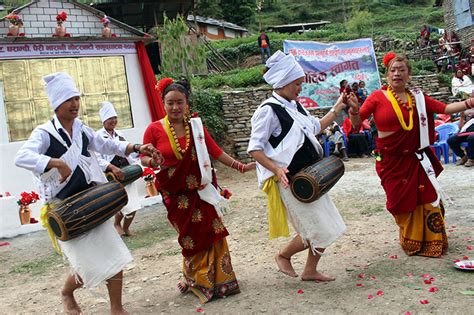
[(315, 180), (84, 211), (131, 173)]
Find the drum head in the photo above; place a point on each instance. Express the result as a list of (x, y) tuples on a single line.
[(57, 226), (303, 189)]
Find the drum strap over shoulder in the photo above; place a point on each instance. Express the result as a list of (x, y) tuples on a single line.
[(307, 154)]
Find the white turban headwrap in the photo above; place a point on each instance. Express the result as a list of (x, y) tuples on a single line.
[(107, 111), (59, 88), (283, 69)]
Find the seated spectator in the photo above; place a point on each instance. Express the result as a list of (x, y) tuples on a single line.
[(466, 133), (357, 142), (334, 134), (464, 66), (342, 86), (424, 36), (461, 85), (355, 90), (362, 92)]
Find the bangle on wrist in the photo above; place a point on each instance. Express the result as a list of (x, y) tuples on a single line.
[(136, 148), (468, 104), (353, 113)]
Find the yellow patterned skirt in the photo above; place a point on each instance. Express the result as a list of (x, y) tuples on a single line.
[(209, 273), (423, 232)]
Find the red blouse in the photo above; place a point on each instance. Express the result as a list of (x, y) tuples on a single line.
[(156, 135), (384, 116)]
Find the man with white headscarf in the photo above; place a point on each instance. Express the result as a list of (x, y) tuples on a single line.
[(283, 141), (60, 153), (113, 163)]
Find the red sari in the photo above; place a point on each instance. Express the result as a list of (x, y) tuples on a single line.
[(207, 266), (408, 190)]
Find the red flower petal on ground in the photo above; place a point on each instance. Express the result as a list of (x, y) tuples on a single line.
[(393, 257), (370, 296), (432, 279), (373, 278), (300, 291), (465, 257), (407, 313), (427, 282), (425, 275), (424, 302), (453, 226), (4, 243), (433, 289), (200, 310), (456, 260), (466, 238), (469, 247), (379, 293), (450, 231), (361, 275), (410, 274), (359, 284)]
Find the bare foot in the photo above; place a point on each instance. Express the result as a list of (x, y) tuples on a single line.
[(70, 305), (119, 229), (183, 287), (118, 311), (128, 233), (284, 265), (316, 276)]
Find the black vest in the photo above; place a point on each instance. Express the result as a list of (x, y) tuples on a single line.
[(119, 161), (307, 154), (56, 149)]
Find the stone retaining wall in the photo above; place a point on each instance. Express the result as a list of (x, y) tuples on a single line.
[(239, 106)]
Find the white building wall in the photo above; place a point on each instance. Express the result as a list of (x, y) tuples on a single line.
[(16, 180), (39, 20)]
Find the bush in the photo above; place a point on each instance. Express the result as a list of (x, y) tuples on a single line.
[(423, 67), (208, 104), (234, 79)]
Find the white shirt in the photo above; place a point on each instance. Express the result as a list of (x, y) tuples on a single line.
[(265, 123), (104, 159), (31, 154), (464, 85)]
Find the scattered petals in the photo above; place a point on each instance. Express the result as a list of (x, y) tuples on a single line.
[(456, 260), (465, 257), (361, 275), (200, 310), (427, 281), (469, 247), (407, 313), (432, 279), (359, 284), (424, 302), (467, 238), (433, 289), (450, 231), (373, 278), (379, 293), (4, 243), (393, 257), (426, 275), (300, 291), (453, 226), (370, 296)]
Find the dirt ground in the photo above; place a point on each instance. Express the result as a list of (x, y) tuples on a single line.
[(367, 260)]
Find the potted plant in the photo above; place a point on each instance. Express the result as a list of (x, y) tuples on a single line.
[(24, 203)]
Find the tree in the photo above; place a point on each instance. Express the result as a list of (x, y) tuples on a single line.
[(360, 22), (180, 57)]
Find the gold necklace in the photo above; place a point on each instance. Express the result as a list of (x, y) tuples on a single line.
[(395, 101), (176, 140)]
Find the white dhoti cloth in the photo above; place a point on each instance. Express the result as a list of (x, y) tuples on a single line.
[(318, 223), (96, 255)]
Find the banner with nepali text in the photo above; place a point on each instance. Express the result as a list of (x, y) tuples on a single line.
[(327, 64)]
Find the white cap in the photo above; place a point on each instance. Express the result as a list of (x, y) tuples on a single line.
[(59, 88), (107, 111), (283, 69)]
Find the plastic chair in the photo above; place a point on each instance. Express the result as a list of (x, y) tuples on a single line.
[(326, 146), (444, 132)]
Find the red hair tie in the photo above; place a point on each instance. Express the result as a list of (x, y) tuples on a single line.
[(61, 16), (388, 57), (163, 84)]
